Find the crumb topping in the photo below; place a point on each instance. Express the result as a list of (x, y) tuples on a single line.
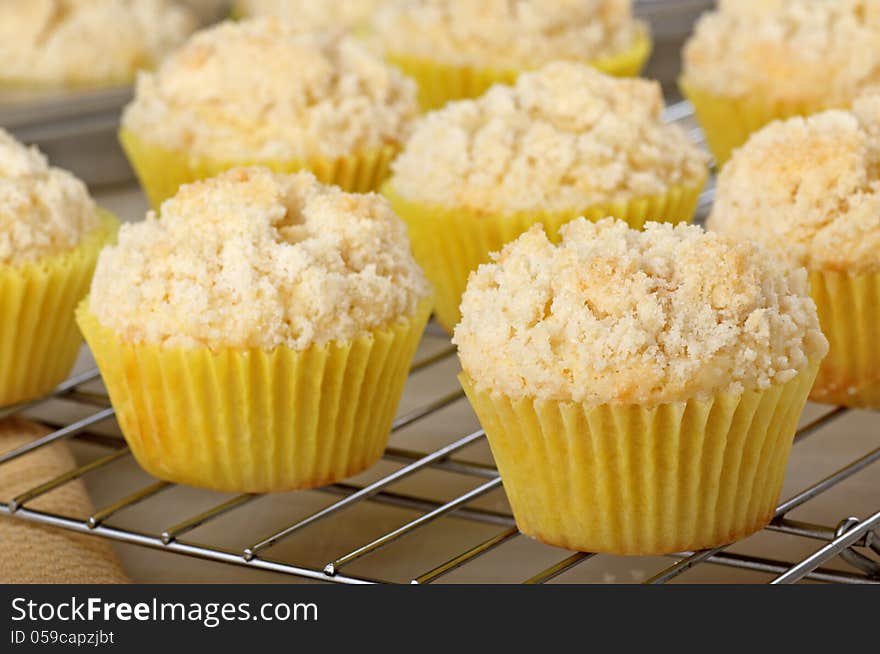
[(314, 15), (43, 210), (518, 34), (563, 137), (261, 90), (256, 259), (821, 52), (87, 41), (809, 189), (615, 315)]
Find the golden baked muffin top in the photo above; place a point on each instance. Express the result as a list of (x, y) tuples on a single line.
[(82, 42), (819, 52), (515, 34), (616, 315), (255, 259), (809, 189), (43, 210), (262, 90), (564, 137), (312, 14)]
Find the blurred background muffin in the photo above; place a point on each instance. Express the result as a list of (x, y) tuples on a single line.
[(50, 235), (640, 389), (262, 92), (752, 61), (458, 48), (86, 43), (565, 141), (809, 190)]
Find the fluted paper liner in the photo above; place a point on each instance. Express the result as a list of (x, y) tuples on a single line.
[(727, 122), (253, 421), (39, 341), (440, 83), (849, 312), (449, 243), (161, 171), (625, 479)]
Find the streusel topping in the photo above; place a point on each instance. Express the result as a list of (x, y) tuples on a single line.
[(821, 52), (87, 41), (263, 90), (518, 34), (809, 189), (257, 259), (564, 137), (615, 315), (310, 14), (43, 210)]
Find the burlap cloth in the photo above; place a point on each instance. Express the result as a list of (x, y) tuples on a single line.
[(33, 553)]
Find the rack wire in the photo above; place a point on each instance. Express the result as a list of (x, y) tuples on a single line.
[(854, 540)]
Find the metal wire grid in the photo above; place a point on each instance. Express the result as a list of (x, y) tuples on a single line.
[(848, 539)]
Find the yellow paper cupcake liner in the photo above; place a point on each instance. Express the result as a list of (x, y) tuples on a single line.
[(440, 83), (253, 421), (849, 312), (449, 243), (634, 480), (39, 341), (162, 171), (727, 123)]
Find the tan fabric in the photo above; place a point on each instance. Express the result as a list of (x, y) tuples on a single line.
[(35, 553)]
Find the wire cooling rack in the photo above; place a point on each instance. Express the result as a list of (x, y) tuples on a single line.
[(853, 540)]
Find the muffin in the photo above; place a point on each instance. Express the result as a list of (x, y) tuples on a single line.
[(263, 92), (349, 14), (458, 48), (640, 389), (563, 142), (809, 191), (85, 43), (50, 235), (754, 61), (257, 337)]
